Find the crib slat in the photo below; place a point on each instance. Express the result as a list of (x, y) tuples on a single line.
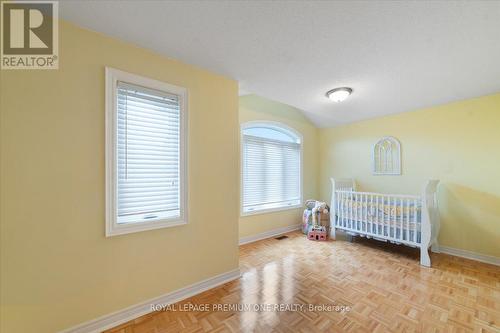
[(359, 207), (350, 210), (388, 216), (380, 215), (364, 209), (341, 203), (363, 221), (344, 203), (364, 212), (396, 216), (361, 212), (393, 224), (346, 209), (341, 209), (359, 225), (393, 216), (356, 211), (337, 218), (337, 213), (384, 204), (367, 217), (401, 217), (407, 219), (374, 204), (389, 231), (370, 215), (384, 216)]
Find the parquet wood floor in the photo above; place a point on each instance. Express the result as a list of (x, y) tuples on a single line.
[(386, 288)]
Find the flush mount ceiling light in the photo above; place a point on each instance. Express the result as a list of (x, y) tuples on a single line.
[(339, 94)]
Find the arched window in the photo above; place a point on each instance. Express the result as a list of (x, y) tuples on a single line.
[(387, 157), (271, 167)]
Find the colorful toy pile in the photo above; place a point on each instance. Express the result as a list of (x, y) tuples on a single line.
[(315, 215)]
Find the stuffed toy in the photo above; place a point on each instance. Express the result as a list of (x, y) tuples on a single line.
[(312, 214)]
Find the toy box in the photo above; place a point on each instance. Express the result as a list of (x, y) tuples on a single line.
[(317, 233)]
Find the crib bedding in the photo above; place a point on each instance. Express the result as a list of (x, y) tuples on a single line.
[(363, 216), (390, 212)]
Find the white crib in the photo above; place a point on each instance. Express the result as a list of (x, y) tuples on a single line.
[(411, 220)]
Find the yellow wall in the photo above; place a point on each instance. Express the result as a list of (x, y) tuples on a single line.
[(254, 108), (458, 143), (57, 268)]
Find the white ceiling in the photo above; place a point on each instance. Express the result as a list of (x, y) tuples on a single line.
[(397, 56)]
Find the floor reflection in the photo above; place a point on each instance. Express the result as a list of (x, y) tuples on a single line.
[(384, 287)]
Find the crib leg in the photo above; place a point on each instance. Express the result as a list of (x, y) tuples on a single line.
[(333, 233), (425, 259), (435, 247)]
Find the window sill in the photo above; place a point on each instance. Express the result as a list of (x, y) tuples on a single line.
[(269, 210), (122, 229)]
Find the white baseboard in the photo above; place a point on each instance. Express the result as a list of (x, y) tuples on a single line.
[(114, 319), (470, 255), (268, 234)]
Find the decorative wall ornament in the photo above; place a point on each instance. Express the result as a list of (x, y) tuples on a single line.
[(387, 157)]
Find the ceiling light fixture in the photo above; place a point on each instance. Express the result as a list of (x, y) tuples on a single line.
[(339, 94)]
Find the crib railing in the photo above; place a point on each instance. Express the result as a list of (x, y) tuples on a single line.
[(395, 218)]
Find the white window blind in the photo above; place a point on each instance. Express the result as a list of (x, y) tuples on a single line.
[(271, 171), (148, 154)]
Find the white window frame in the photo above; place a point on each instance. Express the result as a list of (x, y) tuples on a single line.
[(277, 126), (112, 227)]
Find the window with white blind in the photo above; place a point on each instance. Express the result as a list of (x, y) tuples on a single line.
[(145, 150), (271, 167)]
